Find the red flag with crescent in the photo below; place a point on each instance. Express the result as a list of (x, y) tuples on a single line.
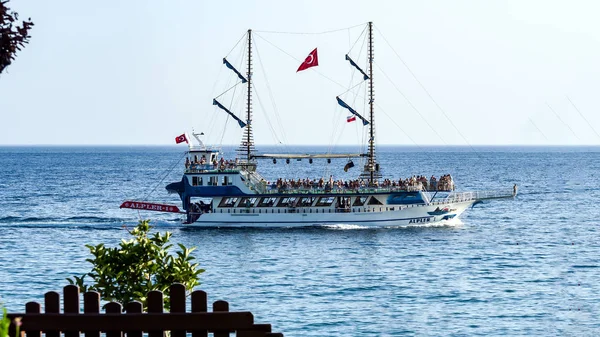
[(181, 139), (311, 60)]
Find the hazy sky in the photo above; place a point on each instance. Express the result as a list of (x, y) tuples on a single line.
[(143, 72)]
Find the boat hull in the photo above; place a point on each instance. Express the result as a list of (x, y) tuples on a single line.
[(413, 215)]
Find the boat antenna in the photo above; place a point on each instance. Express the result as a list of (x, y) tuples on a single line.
[(197, 136), (247, 145)]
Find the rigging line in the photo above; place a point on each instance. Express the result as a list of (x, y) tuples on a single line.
[(335, 117), (399, 127), (165, 175), (355, 42), (268, 84), (349, 41), (530, 120), (356, 95), (224, 92), (585, 119), (265, 114), (427, 92), (274, 134), (561, 120), (410, 103), (290, 55), (358, 84), (301, 33), (242, 38), (223, 133)]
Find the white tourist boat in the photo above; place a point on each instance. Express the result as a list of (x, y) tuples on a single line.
[(232, 193)]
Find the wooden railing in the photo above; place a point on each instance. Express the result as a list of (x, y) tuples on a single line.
[(134, 322)]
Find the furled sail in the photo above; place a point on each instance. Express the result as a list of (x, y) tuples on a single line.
[(240, 122), (244, 80), (343, 104), (365, 76)]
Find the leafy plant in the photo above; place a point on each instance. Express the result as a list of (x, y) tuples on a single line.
[(5, 324), (12, 36), (128, 272)]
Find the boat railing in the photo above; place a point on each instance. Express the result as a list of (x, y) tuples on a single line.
[(271, 189), (255, 182), (478, 195), (203, 168)]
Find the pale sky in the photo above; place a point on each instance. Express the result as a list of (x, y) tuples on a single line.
[(143, 72)]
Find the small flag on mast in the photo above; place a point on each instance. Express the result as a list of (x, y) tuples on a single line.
[(180, 139), (311, 60), (350, 119)]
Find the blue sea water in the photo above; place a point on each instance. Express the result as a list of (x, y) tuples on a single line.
[(523, 267)]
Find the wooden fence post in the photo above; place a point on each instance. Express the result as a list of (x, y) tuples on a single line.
[(134, 307), (177, 296), (71, 305), (155, 304), (221, 306), (199, 304), (113, 308), (91, 305), (52, 306), (33, 308)]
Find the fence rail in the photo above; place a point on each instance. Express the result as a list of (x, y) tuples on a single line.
[(133, 322)]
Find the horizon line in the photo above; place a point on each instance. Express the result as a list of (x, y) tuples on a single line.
[(230, 145)]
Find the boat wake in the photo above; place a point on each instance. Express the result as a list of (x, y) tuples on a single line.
[(444, 223)]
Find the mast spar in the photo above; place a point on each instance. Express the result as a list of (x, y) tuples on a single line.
[(247, 145), (372, 168)]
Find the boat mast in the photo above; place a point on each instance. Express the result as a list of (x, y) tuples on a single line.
[(247, 146), (371, 164)]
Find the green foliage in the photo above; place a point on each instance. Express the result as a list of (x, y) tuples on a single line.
[(5, 324), (13, 36), (128, 272)]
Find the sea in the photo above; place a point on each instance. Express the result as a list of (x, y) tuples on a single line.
[(528, 266)]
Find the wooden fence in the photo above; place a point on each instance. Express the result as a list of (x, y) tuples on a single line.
[(134, 322)]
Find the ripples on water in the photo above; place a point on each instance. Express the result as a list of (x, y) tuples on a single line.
[(523, 267)]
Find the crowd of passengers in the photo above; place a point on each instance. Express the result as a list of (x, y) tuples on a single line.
[(414, 183), (445, 182), (202, 163)]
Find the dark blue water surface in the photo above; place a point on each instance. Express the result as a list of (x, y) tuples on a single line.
[(529, 266)]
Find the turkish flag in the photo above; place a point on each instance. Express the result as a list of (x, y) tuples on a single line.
[(181, 139), (311, 60)]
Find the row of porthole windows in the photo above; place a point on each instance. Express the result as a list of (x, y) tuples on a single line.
[(327, 210)]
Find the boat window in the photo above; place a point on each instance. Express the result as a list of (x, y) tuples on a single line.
[(360, 201), (247, 202), (287, 202), (196, 181), (213, 181), (305, 201), (228, 202), (226, 181), (374, 201), (267, 202), (325, 201)]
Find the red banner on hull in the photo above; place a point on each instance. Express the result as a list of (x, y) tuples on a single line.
[(148, 206)]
